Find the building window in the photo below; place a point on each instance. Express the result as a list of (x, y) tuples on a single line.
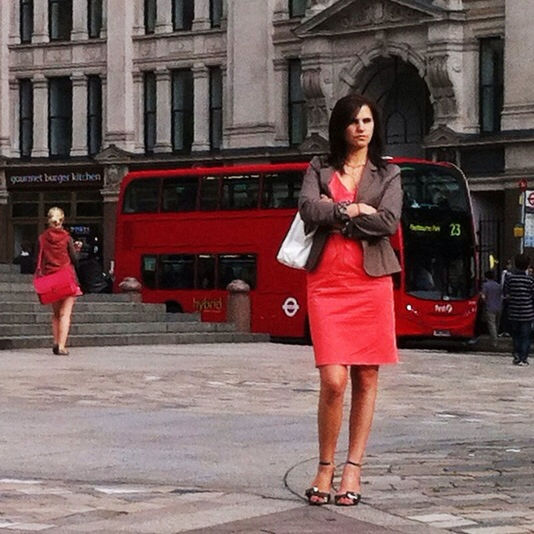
[(150, 102), (26, 21), (94, 18), (297, 8), (59, 116), (60, 19), (150, 16), (491, 84), (183, 12), (26, 117), (94, 115), (297, 105), (216, 100), (182, 110), (216, 8)]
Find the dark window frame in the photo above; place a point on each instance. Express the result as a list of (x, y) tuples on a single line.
[(186, 10), (182, 111), (25, 117), (297, 8), (94, 114), (94, 18), (216, 108), (26, 21), (216, 13), (296, 106), (491, 93), (63, 10), (65, 120), (150, 110), (150, 16)]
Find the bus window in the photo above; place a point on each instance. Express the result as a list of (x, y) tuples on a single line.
[(148, 271), (176, 271), (209, 193), (281, 190), (240, 192), (141, 196), (237, 266), (205, 272), (179, 194)]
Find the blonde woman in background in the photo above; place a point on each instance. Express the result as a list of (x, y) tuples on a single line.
[(59, 250)]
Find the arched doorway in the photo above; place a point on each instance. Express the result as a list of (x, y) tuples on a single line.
[(404, 101)]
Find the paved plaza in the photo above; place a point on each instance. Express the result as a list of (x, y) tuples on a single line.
[(222, 439)]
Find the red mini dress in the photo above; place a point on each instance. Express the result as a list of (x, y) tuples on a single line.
[(351, 314)]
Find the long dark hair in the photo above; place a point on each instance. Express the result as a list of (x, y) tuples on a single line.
[(342, 114)]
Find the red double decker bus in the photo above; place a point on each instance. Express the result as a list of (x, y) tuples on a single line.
[(186, 233)]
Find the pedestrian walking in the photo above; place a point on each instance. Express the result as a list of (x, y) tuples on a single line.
[(519, 295), (492, 298), (504, 323), (56, 250), (25, 259), (354, 200)]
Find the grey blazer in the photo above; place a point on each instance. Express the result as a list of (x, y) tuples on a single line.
[(380, 188)]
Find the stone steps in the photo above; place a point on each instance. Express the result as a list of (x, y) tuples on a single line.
[(101, 320)]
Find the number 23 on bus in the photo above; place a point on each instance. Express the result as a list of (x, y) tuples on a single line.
[(186, 233)]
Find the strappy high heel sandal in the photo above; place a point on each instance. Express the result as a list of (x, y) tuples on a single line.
[(351, 496), (321, 497)]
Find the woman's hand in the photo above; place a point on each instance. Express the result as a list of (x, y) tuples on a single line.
[(325, 198), (360, 208)]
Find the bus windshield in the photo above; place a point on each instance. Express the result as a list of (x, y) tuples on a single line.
[(439, 248)]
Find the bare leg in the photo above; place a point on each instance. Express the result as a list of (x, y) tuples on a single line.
[(364, 380), (330, 412), (55, 321), (65, 312)]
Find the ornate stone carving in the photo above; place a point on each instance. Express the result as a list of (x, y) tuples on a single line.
[(113, 175), (441, 88), (314, 144), (316, 105), (113, 154)]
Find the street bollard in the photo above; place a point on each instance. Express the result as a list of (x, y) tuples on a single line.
[(238, 308)]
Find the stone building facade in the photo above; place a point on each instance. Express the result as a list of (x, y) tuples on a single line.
[(90, 89)]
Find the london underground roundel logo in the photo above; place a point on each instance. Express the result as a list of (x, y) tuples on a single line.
[(290, 306)]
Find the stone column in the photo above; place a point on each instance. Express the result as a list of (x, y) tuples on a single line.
[(281, 99), (139, 111), (201, 20), (14, 23), (163, 111), (139, 19), (120, 123), (201, 106), (40, 22), (14, 112), (79, 20), (79, 114), (113, 175), (4, 79), (164, 16), (40, 116), (4, 215)]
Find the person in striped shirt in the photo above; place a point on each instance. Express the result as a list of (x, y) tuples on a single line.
[(519, 294)]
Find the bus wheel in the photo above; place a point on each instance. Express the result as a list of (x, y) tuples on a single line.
[(173, 307)]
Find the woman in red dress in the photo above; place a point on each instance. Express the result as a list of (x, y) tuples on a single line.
[(57, 251), (354, 200)]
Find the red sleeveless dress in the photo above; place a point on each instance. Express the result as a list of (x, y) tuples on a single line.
[(351, 314)]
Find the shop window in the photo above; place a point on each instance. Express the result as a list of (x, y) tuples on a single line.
[(60, 199), (149, 114), (240, 192), (24, 204), (150, 16), (59, 116), (216, 98), (297, 8), (491, 84), (179, 194), (297, 105), (94, 18), (281, 190), (237, 267), (141, 196), (26, 117), (183, 12), (89, 204), (26, 21), (216, 11), (182, 110), (60, 19), (94, 115)]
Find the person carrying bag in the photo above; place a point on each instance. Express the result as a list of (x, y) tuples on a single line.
[(55, 280)]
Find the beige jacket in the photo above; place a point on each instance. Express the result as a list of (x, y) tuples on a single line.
[(380, 188)]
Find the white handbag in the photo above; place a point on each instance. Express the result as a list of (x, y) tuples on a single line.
[(296, 246)]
